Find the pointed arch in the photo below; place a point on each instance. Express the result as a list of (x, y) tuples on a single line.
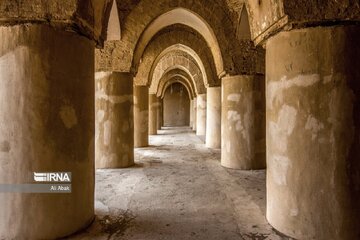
[(185, 17), (185, 49), (179, 75), (184, 71), (171, 82)]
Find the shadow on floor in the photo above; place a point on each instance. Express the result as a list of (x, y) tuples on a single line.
[(107, 226)]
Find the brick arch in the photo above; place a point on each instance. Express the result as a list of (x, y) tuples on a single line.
[(172, 81), (183, 63), (175, 61), (180, 75), (180, 70), (146, 19), (178, 39), (185, 17), (188, 52)]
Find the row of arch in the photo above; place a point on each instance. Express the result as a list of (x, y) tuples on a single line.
[(199, 52)]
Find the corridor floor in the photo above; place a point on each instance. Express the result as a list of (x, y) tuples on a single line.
[(178, 190)]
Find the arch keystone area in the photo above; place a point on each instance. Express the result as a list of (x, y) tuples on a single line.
[(185, 17)]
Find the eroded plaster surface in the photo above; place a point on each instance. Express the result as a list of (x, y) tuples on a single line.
[(141, 116), (46, 125), (312, 122), (201, 115), (213, 117), (242, 122), (114, 139)]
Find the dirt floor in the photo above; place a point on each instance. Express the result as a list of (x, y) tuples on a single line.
[(178, 190)]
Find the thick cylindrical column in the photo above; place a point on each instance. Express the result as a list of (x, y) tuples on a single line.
[(313, 132), (46, 125), (159, 118), (213, 117), (191, 113), (114, 139), (241, 138), (194, 113), (153, 114), (141, 116), (201, 115)]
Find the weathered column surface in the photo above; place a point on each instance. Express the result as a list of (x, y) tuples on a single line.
[(46, 125), (141, 116), (159, 117), (242, 128), (153, 114), (191, 113), (313, 126), (114, 140), (213, 117), (201, 115), (194, 113)]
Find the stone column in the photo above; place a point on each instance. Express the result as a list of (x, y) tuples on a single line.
[(141, 116), (194, 113), (213, 117), (241, 138), (153, 114), (159, 121), (201, 115), (46, 125), (114, 139), (313, 132), (191, 112)]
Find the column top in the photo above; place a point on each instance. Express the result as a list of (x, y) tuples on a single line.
[(267, 18), (86, 17)]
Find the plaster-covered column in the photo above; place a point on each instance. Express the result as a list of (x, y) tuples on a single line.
[(141, 116), (313, 132), (201, 115), (213, 117), (241, 138), (153, 114), (46, 125), (159, 118), (114, 142), (191, 112), (194, 113)]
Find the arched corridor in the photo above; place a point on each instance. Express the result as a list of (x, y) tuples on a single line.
[(180, 119)]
